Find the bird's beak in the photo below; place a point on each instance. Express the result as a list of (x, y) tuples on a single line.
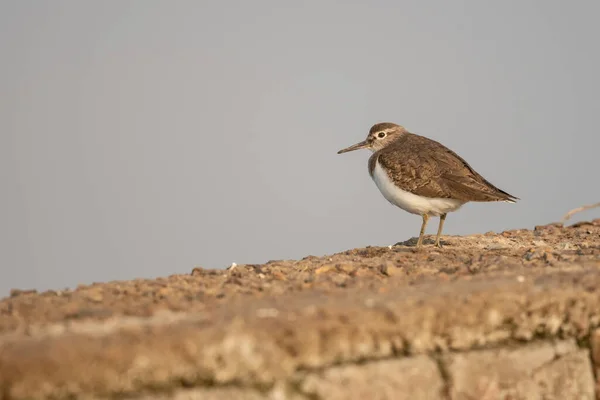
[(356, 146)]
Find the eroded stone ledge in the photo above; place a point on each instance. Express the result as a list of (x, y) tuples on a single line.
[(269, 340), (471, 320)]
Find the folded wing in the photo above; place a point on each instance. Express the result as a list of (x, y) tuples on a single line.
[(427, 168)]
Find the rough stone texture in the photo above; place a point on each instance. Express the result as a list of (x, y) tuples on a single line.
[(228, 393), (537, 371), (409, 378), (543, 250), (254, 327)]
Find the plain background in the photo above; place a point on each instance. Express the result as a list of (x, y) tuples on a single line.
[(142, 138)]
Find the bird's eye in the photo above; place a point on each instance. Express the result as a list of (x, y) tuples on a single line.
[(381, 134)]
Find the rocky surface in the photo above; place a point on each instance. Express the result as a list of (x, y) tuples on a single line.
[(498, 315)]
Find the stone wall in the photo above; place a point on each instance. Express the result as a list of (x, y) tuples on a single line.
[(507, 316)]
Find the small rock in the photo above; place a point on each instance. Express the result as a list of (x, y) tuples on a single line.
[(531, 254), (567, 246), (545, 254), (278, 275), (324, 269), (232, 266), (496, 246), (389, 269)]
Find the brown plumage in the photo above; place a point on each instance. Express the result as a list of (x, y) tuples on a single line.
[(423, 176), (427, 168)]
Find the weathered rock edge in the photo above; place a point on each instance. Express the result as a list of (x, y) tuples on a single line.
[(267, 342)]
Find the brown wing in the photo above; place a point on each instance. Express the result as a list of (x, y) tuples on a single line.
[(427, 168)]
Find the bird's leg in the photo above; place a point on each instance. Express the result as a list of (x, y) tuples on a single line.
[(440, 227), (423, 226)]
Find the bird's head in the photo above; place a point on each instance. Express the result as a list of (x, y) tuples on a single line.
[(380, 135)]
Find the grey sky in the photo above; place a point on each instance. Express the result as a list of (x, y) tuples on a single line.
[(141, 138)]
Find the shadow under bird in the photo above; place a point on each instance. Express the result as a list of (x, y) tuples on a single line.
[(422, 176)]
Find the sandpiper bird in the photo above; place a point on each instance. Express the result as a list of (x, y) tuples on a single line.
[(422, 176)]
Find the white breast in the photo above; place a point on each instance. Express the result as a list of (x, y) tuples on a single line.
[(411, 202)]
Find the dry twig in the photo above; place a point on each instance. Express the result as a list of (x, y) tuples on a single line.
[(579, 209)]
